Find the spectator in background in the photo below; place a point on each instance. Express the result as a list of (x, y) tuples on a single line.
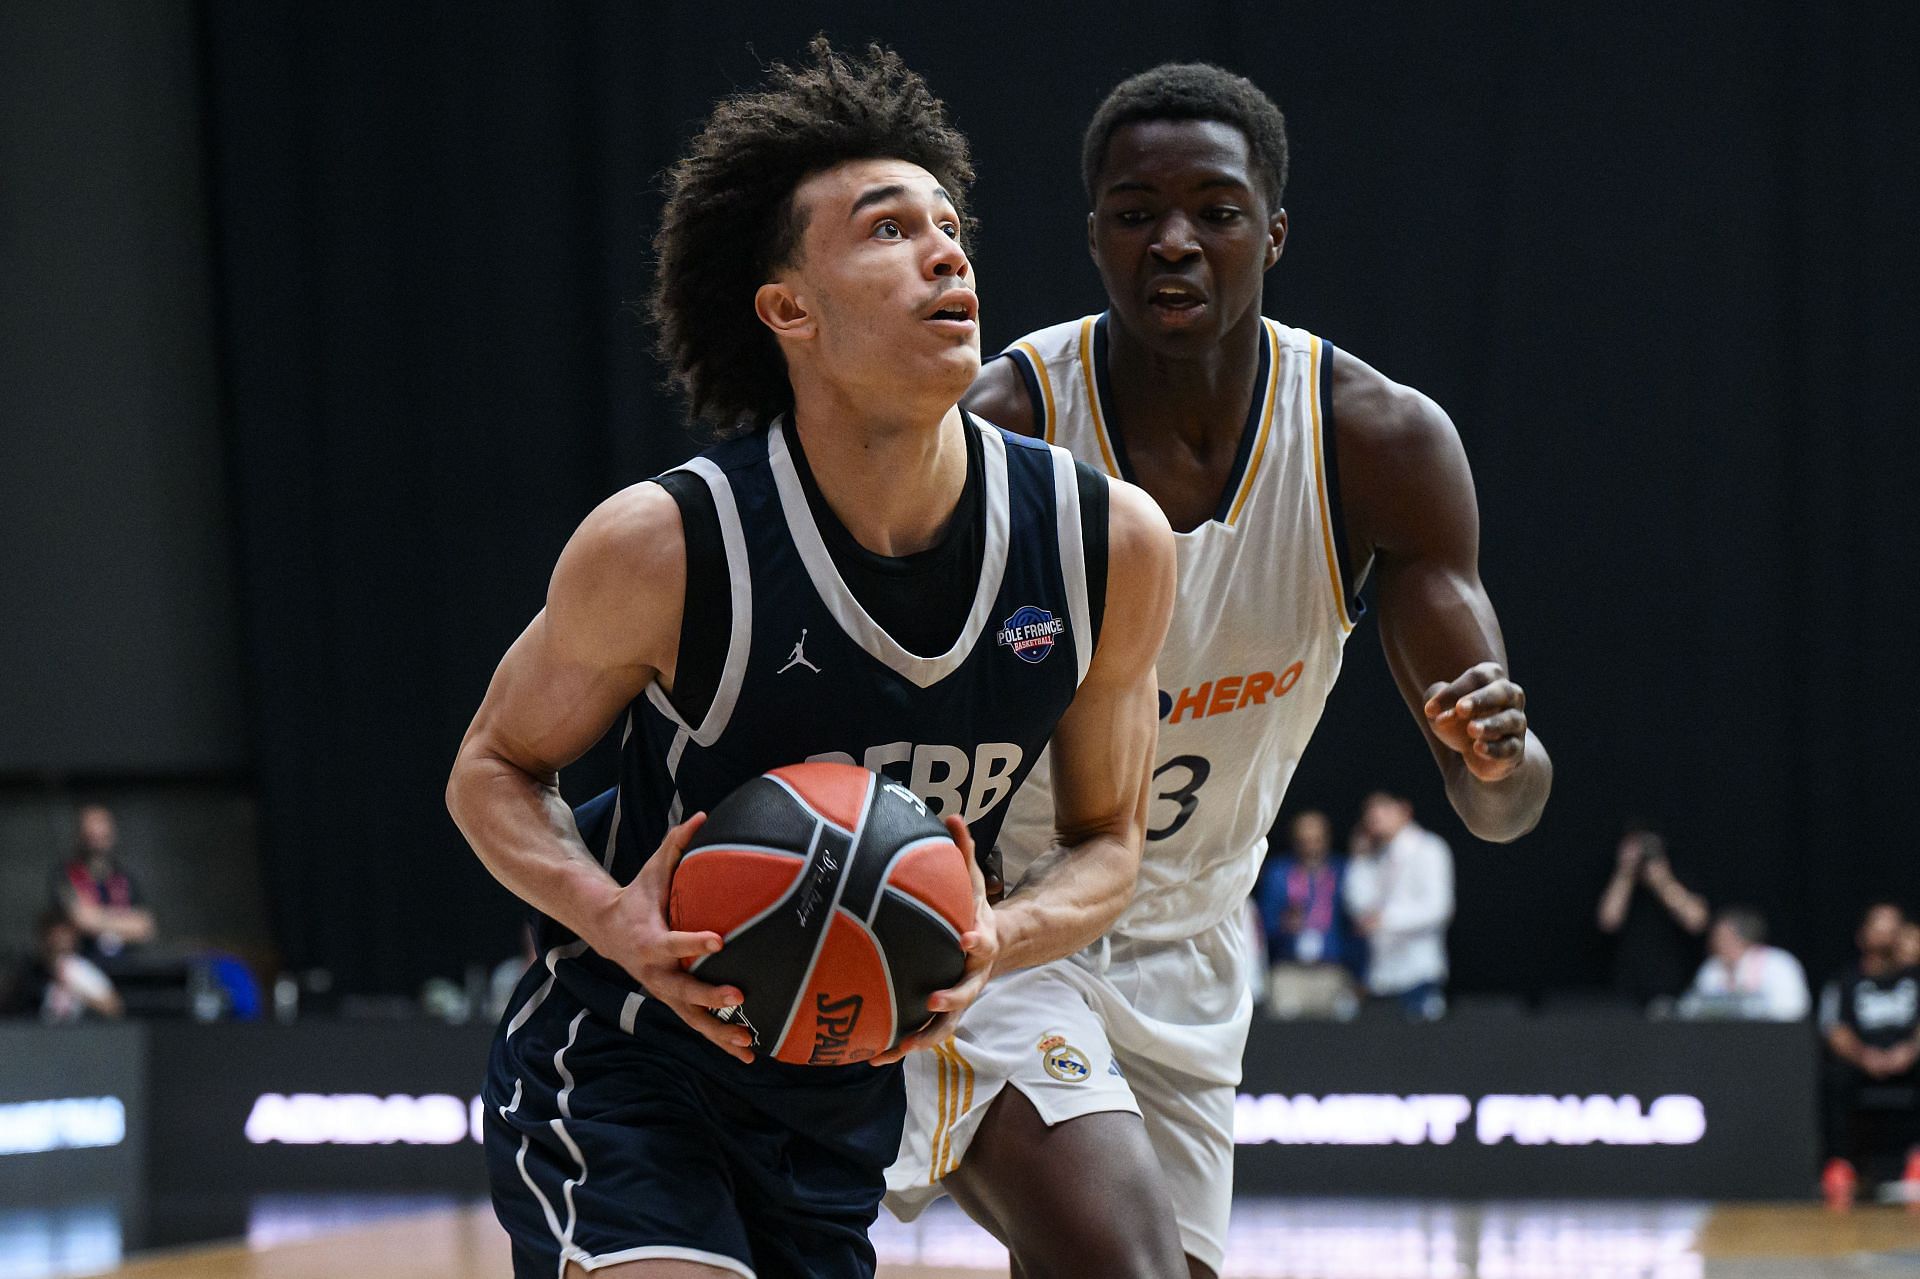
[(1908, 949), (57, 983), (96, 893), (1400, 894), (1656, 924), (1308, 943), (1870, 1018), (1743, 976)]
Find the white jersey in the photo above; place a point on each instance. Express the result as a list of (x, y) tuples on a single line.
[(1259, 622)]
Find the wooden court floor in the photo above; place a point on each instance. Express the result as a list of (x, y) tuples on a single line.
[(1285, 1239)]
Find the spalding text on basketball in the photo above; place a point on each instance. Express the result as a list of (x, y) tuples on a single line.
[(833, 1025)]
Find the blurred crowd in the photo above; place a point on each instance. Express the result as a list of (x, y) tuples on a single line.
[(96, 953), (1344, 932)]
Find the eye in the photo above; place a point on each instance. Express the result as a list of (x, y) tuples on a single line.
[(1221, 213), (952, 229), (1132, 217), (887, 229)]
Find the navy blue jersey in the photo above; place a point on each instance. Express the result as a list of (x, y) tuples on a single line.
[(808, 675)]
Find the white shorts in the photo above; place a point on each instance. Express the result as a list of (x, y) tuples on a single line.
[(1154, 1028)]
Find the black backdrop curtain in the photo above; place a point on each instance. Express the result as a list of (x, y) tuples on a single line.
[(1655, 261)]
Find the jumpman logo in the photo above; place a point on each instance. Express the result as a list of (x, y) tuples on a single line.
[(799, 656)]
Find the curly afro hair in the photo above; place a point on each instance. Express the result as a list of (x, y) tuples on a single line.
[(730, 223), (1192, 91)]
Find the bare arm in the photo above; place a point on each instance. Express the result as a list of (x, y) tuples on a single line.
[(1411, 513), (128, 923), (999, 395), (612, 622), (1845, 1044), (1688, 909), (1613, 902), (1102, 753)]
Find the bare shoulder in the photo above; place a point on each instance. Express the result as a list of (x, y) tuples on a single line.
[(999, 395), (1403, 471), (1377, 415), (1136, 526), (617, 591)]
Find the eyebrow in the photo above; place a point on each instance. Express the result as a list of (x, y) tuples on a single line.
[(892, 190), (1205, 184)]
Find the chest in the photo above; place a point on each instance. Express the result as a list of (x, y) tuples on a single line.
[(1883, 1007), (1187, 482)]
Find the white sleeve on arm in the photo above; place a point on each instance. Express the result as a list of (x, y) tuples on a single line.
[(1422, 897), (1783, 988), (83, 978), (1362, 886), (1704, 983), (1830, 1006)]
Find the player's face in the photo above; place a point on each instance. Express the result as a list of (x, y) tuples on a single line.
[(1181, 232), (883, 282)]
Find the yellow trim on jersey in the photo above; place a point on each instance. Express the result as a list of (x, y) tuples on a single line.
[(1046, 386), (955, 1099), (1093, 396), (1320, 487), (1266, 421), (940, 1124), (966, 1103)]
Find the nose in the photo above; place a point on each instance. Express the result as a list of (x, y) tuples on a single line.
[(1173, 238), (947, 258)]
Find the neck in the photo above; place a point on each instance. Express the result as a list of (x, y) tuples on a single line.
[(1873, 963), (1201, 398), (894, 481)]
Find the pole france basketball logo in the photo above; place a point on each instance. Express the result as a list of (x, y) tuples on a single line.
[(1031, 633)]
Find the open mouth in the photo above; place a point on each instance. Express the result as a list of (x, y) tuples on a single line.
[(1176, 302), (958, 306), (1175, 298)]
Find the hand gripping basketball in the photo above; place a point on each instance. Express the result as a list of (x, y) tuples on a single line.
[(982, 946), (640, 939)]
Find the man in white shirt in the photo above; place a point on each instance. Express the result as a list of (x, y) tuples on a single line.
[(1745, 978), (1401, 898)]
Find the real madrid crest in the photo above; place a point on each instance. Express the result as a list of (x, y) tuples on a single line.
[(1062, 1060)]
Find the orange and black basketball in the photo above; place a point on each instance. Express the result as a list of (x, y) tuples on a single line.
[(841, 901)]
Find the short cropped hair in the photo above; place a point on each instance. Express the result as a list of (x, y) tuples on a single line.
[(1192, 91), (1747, 923), (730, 223)]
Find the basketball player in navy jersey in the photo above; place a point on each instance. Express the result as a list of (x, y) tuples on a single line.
[(1291, 473), (860, 571)]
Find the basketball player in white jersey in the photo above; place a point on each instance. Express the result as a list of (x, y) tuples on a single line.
[(1290, 473)]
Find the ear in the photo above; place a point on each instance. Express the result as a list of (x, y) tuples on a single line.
[(1090, 249), (1276, 237), (781, 309)]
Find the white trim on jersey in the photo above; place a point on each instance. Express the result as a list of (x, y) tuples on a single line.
[(1073, 557), (854, 620), (662, 1252), (571, 950), (740, 588)]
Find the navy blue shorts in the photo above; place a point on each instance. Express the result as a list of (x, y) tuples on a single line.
[(604, 1146)]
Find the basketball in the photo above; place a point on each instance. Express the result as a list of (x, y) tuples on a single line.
[(841, 901)]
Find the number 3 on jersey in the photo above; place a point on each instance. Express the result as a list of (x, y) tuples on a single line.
[(1190, 772)]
